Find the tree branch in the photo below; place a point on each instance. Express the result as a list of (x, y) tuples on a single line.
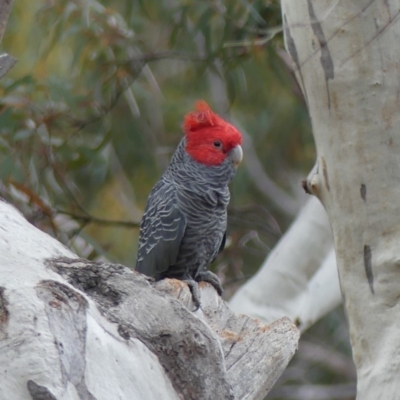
[(299, 277), (90, 219), (71, 327)]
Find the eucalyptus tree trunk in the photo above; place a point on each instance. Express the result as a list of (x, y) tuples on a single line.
[(347, 60)]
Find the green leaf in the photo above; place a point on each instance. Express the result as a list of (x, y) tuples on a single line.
[(230, 85), (7, 122), (23, 134), (7, 167)]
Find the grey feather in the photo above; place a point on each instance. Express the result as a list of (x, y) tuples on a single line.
[(184, 224), (163, 226)]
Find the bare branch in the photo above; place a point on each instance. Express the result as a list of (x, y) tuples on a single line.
[(110, 332), (90, 219), (289, 281)]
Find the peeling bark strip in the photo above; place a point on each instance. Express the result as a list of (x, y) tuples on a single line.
[(363, 192), (325, 172), (326, 59), (368, 267), (39, 392), (4, 314), (291, 46), (66, 310), (3, 307)]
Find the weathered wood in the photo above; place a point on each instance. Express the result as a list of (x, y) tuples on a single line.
[(187, 349), (255, 354), (76, 329)]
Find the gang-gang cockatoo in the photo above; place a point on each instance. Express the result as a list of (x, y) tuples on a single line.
[(184, 224)]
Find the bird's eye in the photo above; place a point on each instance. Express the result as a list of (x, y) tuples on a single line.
[(218, 144)]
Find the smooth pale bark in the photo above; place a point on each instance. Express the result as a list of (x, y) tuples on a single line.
[(346, 55), (299, 277), (74, 329)]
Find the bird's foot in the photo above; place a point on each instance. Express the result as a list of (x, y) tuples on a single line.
[(194, 288), (210, 277)]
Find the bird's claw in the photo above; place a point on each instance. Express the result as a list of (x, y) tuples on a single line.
[(194, 289), (210, 277)]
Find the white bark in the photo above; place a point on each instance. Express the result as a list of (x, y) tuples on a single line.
[(42, 321), (347, 59), (299, 277), (73, 329)]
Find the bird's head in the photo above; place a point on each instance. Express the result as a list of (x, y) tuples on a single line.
[(210, 139)]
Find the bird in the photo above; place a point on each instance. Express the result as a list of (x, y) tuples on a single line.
[(183, 227)]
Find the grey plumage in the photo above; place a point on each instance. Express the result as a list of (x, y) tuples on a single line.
[(184, 224)]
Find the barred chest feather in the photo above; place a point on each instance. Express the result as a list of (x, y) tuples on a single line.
[(206, 221)]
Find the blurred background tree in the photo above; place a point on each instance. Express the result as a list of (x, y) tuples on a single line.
[(92, 112)]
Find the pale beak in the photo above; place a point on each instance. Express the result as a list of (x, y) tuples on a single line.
[(236, 155)]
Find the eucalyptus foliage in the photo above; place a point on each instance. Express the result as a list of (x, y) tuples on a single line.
[(91, 114)]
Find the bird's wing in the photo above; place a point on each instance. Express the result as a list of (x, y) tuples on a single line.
[(161, 232), (221, 247), (223, 242)]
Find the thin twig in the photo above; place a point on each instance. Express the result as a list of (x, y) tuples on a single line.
[(254, 42), (168, 55), (90, 219)]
